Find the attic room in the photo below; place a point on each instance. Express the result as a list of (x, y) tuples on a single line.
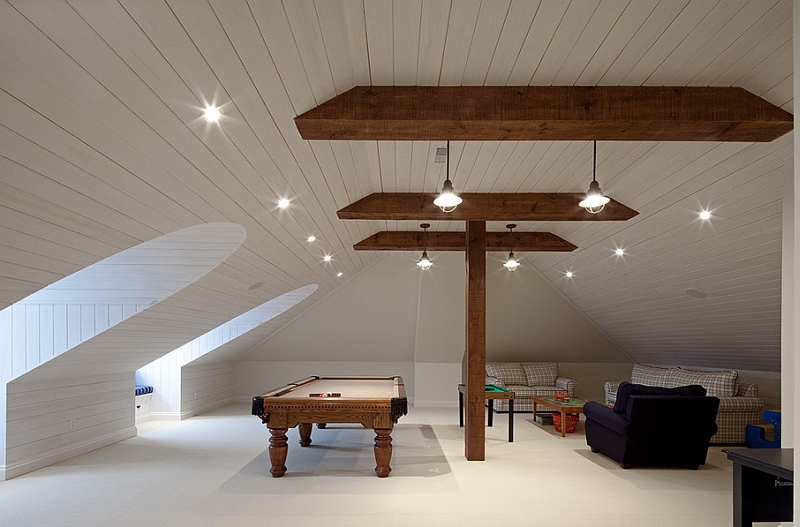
[(167, 220)]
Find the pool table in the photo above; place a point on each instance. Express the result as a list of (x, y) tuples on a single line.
[(375, 402)]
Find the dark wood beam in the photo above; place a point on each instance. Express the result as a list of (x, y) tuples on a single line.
[(562, 206), (456, 241), (475, 355), (545, 113)]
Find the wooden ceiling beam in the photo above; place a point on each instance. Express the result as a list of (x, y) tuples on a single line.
[(562, 206), (456, 241), (545, 113)]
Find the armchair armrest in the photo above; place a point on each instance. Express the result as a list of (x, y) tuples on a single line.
[(566, 384), (740, 404), (605, 416), (610, 389)]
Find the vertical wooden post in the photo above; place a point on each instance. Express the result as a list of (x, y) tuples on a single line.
[(475, 357)]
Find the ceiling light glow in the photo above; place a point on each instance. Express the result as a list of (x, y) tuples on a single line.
[(211, 114), (311, 238), (705, 215), (568, 274), (339, 273), (619, 252), (327, 258), (283, 203)]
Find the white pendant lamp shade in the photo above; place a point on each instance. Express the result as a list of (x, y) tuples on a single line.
[(512, 263), (424, 262), (595, 199), (447, 199)]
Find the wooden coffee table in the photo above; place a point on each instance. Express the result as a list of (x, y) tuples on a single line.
[(574, 406)]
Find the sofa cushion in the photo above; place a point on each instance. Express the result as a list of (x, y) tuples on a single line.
[(627, 389), (653, 376), (508, 372), (716, 383), (541, 373)]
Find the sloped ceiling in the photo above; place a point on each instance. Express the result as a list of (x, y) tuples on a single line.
[(103, 146)]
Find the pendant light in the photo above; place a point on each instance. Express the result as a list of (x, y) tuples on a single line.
[(447, 200), (511, 263), (595, 200), (424, 262)]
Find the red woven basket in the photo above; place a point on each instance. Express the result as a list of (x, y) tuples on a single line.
[(572, 422)]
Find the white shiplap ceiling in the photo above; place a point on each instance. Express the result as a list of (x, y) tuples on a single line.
[(103, 146)]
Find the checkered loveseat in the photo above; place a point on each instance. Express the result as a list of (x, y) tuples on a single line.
[(739, 404), (526, 379)]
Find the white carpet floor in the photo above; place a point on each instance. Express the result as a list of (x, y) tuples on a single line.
[(213, 470)]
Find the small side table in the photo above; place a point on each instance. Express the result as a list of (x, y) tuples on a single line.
[(491, 392)]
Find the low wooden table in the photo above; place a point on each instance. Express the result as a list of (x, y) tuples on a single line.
[(491, 392), (573, 406)]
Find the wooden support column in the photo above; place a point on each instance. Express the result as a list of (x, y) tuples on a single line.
[(475, 356)]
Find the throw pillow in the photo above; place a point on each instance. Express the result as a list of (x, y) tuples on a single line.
[(511, 373), (627, 389), (654, 376), (541, 373)]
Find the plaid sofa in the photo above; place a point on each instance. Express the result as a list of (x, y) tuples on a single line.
[(739, 404), (526, 379)]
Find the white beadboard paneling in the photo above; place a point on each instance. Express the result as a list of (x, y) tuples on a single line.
[(51, 421), (103, 147)]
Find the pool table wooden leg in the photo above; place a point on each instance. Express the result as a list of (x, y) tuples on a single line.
[(278, 449), (305, 433), (383, 451)]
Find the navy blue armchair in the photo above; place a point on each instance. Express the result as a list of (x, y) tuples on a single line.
[(653, 426)]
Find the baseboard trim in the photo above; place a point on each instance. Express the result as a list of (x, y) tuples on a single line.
[(18, 468), (434, 403), (167, 416)]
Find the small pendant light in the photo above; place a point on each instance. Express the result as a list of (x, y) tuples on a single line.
[(447, 200), (424, 262), (595, 200), (511, 263)]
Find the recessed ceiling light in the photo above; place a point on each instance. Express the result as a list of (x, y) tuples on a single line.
[(696, 293), (705, 215), (211, 114), (327, 258), (255, 286), (283, 203), (619, 252), (311, 238), (339, 273), (568, 274)]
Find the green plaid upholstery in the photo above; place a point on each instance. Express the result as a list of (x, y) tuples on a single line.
[(739, 404), (507, 375)]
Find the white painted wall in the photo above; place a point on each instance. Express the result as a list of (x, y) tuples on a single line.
[(182, 389), (205, 387), (786, 403), (165, 374), (256, 377), (392, 317)]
